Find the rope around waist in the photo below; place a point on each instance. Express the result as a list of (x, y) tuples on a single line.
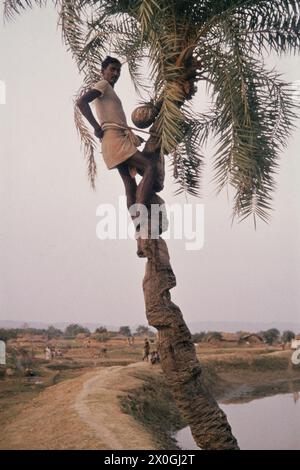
[(115, 125)]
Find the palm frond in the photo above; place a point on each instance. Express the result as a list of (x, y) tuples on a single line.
[(267, 26), (13, 7), (88, 141), (148, 10), (253, 110), (128, 44), (256, 114), (187, 159)]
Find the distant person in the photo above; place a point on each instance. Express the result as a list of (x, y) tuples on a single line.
[(146, 350), (29, 372), (58, 353), (154, 357), (48, 353), (103, 352)]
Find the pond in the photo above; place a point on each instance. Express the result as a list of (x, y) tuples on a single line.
[(270, 423)]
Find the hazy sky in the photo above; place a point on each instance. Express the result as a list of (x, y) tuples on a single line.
[(54, 268)]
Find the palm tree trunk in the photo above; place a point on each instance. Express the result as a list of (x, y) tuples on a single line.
[(179, 362), (208, 423)]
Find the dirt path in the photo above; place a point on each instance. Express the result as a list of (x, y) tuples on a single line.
[(82, 413)]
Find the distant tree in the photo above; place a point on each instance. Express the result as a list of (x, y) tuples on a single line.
[(6, 334), (24, 326), (287, 336), (53, 332), (34, 331), (143, 330), (102, 337), (198, 337), (101, 329), (271, 336), (74, 329), (125, 330), (215, 335)]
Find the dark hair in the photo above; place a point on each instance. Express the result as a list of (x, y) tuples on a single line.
[(110, 60)]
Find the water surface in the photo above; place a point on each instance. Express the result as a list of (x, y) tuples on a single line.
[(270, 423)]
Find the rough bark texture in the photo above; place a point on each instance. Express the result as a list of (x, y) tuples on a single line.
[(207, 421), (179, 362)]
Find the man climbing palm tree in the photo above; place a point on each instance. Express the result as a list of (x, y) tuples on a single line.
[(251, 116), (119, 143)]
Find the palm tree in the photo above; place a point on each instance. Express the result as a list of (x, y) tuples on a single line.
[(220, 42)]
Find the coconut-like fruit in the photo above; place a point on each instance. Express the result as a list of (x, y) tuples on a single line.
[(143, 116)]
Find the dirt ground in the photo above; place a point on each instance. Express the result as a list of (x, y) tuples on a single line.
[(74, 402), (80, 413)]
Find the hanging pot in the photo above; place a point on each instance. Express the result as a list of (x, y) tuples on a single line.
[(143, 116)]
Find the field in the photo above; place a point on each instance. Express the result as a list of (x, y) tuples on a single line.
[(101, 395)]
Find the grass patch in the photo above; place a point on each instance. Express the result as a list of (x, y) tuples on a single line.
[(65, 366), (270, 363), (153, 406), (259, 363)]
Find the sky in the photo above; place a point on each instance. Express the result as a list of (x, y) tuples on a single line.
[(53, 267)]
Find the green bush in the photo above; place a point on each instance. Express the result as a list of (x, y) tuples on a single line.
[(102, 337), (74, 329), (6, 334), (198, 337)]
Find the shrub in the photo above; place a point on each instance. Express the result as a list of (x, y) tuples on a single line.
[(74, 329)]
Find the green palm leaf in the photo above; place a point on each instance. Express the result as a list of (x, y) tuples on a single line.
[(252, 110)]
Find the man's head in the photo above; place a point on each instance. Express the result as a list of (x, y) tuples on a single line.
[(111, 69)]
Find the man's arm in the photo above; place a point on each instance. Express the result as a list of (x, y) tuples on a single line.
[(83, 105)]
